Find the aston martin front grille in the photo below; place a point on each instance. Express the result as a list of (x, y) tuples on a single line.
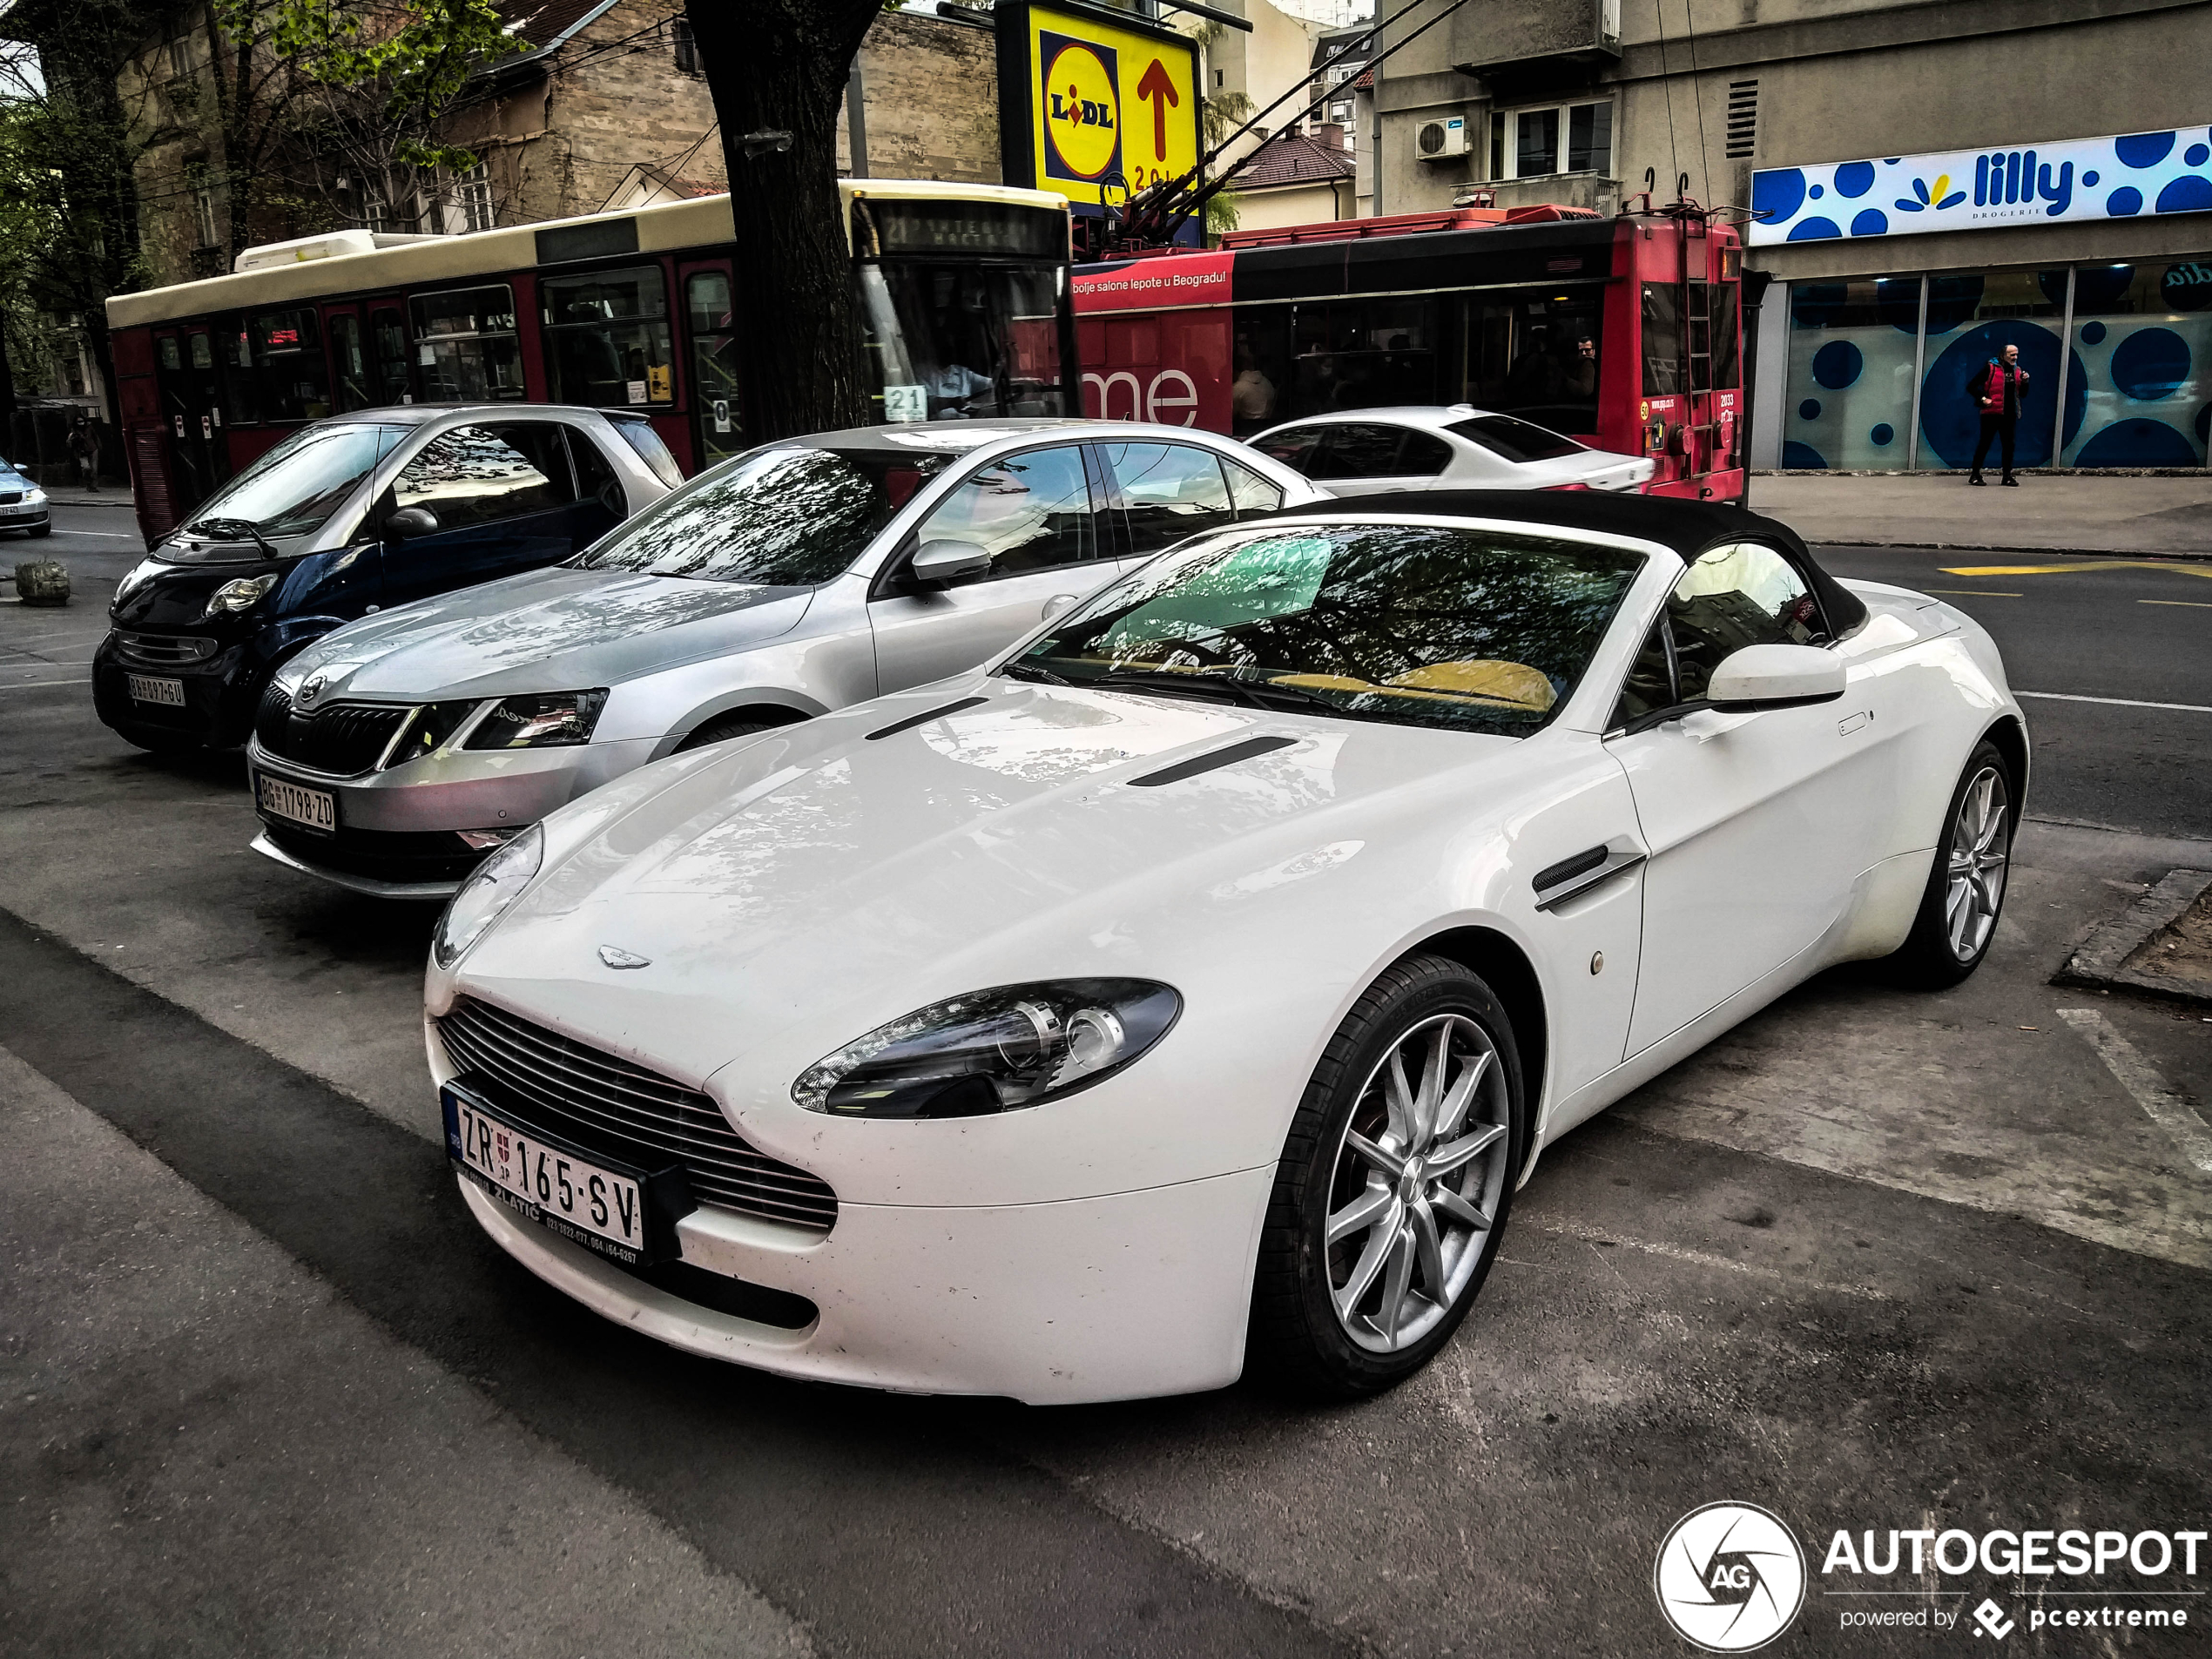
[(626, 1114)]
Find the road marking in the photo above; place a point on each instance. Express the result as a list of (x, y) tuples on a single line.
[(1976, 593), (1707, 1258), (105, 535), (2068, 569), (32, 686), (2161, 1103), (2117, 702), (2194, 605)]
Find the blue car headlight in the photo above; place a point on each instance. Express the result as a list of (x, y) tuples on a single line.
[(992, 1051)]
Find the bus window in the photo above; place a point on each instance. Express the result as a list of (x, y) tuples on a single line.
[(466, 347), (387, 341), (606, 339), (1536, 355), (288, 354), (353, 367), (1721, 297), (1662, 340), (714, 367), (241, 394)]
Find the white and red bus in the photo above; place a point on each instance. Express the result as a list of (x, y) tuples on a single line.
[(961, 291), (1623, 333)]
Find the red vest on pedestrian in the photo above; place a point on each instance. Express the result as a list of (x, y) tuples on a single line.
[(1993, 400)]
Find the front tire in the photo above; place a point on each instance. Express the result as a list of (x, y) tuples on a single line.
[(1393, 1188), (726, 729), (1967, 882)]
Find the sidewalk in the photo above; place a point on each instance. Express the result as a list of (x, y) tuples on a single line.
[(2167, 516), (73, 496)]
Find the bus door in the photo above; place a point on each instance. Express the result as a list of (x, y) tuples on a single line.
[(192, 409), (351, 386), (718, 422), (390, 380)]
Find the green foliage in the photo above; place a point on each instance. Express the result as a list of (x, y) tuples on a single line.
[(1221, 212)]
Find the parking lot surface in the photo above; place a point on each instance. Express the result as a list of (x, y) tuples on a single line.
[(1873, 1260)]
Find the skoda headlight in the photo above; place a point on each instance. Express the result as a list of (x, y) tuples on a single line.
[(542, 720), (241, 594), (484, 897), (992, 1051), (35, 498)]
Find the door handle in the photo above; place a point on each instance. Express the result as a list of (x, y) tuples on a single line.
[(1555, 884)]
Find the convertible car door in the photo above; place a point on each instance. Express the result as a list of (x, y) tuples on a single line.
[(1036, 515), (1756, 824)]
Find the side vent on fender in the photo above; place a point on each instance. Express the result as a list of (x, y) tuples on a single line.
[(1210, 762)]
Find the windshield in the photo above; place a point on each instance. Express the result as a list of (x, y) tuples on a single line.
[(793, 516), (1422, 625), (946, 341), (298, 485), (1514, 440)]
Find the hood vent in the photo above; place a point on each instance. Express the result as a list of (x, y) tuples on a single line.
[(911, 721), (1210, 762)]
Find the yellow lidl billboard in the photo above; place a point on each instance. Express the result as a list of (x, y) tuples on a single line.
[(1093, 102)]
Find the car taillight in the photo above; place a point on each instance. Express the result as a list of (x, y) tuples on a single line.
[(1566, 486)]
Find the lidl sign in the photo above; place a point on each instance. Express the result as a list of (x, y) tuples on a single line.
[(1093, 107), (2133, 175)]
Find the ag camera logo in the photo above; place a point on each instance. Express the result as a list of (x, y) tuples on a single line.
[(1729, 1577)]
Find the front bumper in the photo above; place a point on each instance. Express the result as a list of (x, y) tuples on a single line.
[(221, 693), (37, 518), (1120, 1298), (398, 831)]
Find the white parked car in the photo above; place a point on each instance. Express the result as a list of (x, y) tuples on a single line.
[(1189, 991), (391, 756), (1364, 452)]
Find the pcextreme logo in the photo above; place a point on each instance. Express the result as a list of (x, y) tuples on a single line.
[(1729, 1577)]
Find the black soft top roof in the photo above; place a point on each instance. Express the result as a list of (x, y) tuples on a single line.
[(1685, 528)]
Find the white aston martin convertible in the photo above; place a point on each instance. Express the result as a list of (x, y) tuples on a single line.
[(1187, 993)]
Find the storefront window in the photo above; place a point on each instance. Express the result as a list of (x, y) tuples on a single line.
[(465, 345), (2139, 390), (607, 339), (1973, 316), (1847, 399)]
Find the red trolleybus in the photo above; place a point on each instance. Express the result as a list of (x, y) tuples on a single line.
[(1623, 333), (962, 292)]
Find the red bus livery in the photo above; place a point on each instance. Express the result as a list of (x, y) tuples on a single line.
[(1624, 332)]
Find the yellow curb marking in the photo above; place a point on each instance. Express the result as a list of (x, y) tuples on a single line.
[(2067, 570)]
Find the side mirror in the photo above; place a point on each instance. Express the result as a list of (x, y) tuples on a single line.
[(411, 522), (1775, 676), (943, 561), (612, 498)]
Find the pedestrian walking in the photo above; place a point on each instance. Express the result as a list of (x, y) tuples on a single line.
[(1997, 391), (85, 447)]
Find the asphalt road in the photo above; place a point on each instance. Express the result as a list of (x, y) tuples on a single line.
[(1874, 1260)]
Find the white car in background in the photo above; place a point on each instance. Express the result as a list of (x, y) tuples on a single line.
[(1365, 452), (1190, 988)]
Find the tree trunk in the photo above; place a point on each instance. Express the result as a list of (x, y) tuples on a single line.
[(782, 65)]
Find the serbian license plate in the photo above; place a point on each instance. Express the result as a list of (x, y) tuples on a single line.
[(619, 1212), (316, 808), (144, 688)]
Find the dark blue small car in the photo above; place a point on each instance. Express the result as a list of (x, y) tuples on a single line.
[(346, 516)]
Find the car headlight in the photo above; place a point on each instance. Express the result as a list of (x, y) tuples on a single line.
[(992, 1051), (35, 498), (498, 881), (241, 594), (542, 720)]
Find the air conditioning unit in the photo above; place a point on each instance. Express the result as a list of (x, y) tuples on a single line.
[(1442, 140)]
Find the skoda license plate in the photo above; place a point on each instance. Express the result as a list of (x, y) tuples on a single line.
[(316, 808)]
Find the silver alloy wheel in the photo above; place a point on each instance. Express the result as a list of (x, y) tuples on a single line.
[(1417, 1180), (1980, 853)]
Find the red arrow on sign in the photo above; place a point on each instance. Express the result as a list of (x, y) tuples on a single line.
[(1158, 86)]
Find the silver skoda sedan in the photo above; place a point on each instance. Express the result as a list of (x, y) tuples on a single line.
[(394, 754)]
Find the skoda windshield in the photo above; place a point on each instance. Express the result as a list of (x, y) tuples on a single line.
[(292, 490), (1468, 630), (793, 516)]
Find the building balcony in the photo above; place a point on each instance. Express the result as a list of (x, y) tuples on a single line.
[(1537, 45)]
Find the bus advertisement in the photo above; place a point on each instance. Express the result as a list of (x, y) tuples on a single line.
[(1624, 333), (961, 292)]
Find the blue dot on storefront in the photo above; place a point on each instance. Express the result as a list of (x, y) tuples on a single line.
[(2089, 178), (2137, 443), (1809, 409), (2092, 334), (2188, 194), (2204, 424), (2143, 149), (2125, 202), (2198, 155), (1802, 457), (1815, 193), (1882, 434), (1871, 221), (1838, 364), (1815, 229), (1854, 179), (2149, 364), (1777, 194)]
